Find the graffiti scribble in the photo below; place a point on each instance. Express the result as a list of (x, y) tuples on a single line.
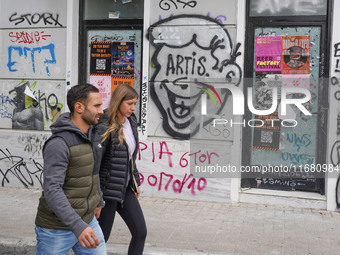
[(19, 169)]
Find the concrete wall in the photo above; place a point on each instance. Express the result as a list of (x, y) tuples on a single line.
[(333, 155), (32, 84), (39, 53), (184, 39)]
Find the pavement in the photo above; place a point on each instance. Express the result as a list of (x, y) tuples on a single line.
[(178, 227)]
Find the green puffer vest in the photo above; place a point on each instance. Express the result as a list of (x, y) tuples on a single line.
[(80, 188)]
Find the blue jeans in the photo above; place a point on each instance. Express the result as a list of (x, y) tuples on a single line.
[(60, 242)]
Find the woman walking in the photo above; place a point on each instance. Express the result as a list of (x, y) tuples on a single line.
[(119, 177)]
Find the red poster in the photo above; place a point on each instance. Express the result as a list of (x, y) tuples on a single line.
[(295, 54)]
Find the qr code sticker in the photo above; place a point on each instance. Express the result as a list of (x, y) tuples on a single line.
[(100, 64), (266, 137)]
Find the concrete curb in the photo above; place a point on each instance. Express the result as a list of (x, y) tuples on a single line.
[(26, 246), (14, 245)]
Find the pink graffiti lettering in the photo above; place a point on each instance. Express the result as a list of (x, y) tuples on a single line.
[(26, 37), (177, 185), (166, 152), (197, 156)]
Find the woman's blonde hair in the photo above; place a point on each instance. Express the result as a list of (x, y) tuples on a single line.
[(121, 93)]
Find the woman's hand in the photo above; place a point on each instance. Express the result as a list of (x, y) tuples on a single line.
[(138, 192)]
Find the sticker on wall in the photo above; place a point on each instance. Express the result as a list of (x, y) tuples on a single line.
[(114, 15), (123, 55)]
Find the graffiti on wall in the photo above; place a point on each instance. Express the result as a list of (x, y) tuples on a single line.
[(335, 150), (169, 4), (144, 100), (33, 55), (167, 178), (168, 8), (24, 167), (184, 54), (22, 51), (30, 105), (44, 19), (166, 174), (30, 52), (27, 172)]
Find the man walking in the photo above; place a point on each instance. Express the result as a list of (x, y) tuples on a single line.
[(71, 199)]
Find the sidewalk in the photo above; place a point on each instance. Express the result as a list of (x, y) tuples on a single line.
[(188, 227)]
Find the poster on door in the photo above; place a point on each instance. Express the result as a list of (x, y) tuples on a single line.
[(100, 58), (268, 54), (267, 132), (295, 54), (100, 69), (282, 55), (122, 67)]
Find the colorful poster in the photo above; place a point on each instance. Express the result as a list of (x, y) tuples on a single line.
[(103, 83), (123, 55), (100, 58), (267, 132), (268, 54), (295, 54)]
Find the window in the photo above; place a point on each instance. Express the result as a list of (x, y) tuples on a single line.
[(111, 46)]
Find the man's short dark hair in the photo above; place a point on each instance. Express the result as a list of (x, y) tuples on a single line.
[(79, 93)]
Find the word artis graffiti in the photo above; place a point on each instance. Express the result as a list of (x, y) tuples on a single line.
[(46, 17), (177, 185), (166, 5), (24, 50), (19, 169), (26, 37), (200, 53)]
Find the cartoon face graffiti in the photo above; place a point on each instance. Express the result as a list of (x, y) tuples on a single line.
[(189, 50)]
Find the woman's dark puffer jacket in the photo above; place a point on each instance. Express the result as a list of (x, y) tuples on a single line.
[(115, 162)]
